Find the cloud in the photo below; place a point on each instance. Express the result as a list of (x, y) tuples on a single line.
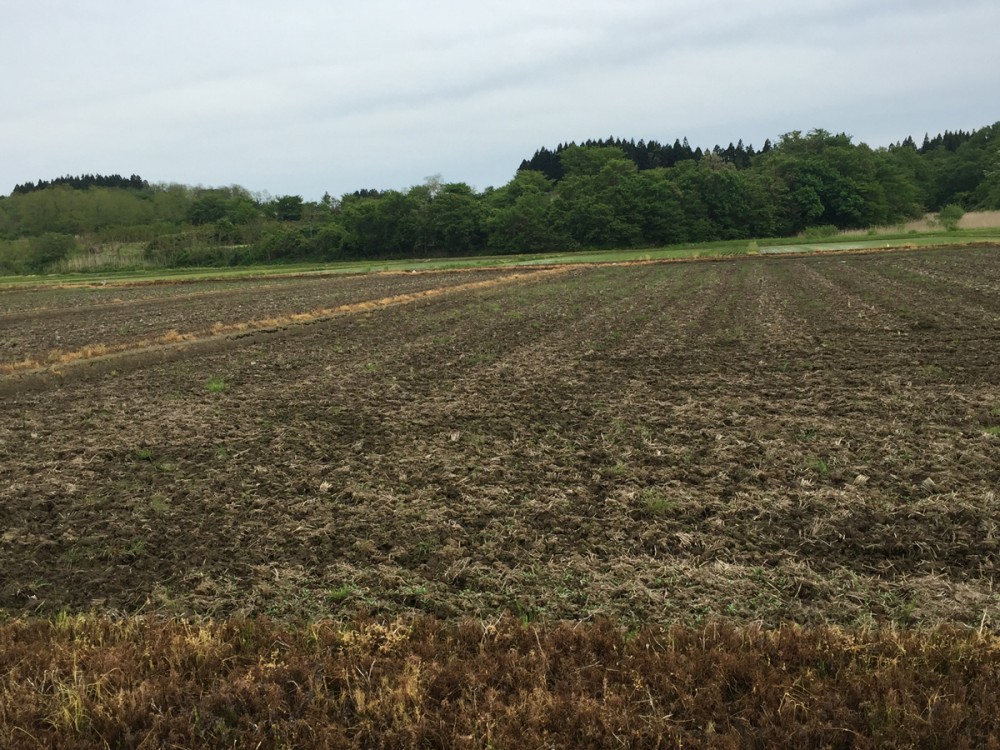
[(307, 96)]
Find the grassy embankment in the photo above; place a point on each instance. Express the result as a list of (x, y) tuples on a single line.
[(976, 228)]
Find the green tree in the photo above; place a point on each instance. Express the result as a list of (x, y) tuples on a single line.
[(329, 242), (288, 208), (48, 249), (595, 203), (660, 212), (208, 208), (988, 192), (588, 161), (455, 218), (519, 217), (827, 180), (381, 227)]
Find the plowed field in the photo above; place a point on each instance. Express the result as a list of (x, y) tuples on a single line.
[(768, 439)]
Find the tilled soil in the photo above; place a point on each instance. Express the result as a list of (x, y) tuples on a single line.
[(770, 439), (44, 324)]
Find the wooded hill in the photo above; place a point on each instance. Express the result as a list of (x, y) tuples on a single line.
[(598, 194)]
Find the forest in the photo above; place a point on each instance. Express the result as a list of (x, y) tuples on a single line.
[(609, 193)]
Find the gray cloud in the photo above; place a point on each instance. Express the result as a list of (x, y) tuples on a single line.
[(307, 96)]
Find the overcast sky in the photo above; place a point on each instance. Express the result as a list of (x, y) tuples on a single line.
[(306, 96)]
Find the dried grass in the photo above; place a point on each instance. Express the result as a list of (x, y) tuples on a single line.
[(82, 682)]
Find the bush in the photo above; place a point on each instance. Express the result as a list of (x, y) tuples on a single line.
[(14, 256), (950, 215), (279, 243), (329, 242), (818, 232), (48, 249)]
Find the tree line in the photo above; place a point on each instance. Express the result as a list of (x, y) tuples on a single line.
[(84, 182), (597, 194)]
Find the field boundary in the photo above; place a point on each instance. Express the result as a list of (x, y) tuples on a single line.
[(546, 261), (96, 682)]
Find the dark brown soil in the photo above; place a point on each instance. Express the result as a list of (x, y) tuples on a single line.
[(805, 439), (45, 322)]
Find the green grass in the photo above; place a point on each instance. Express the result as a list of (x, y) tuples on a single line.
[(718, 249), (340, 594), (819, 465), (890, 240), (655, 503), (215, 385), (158, 504)]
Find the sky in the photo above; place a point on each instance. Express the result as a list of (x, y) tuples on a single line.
[(304, 97)]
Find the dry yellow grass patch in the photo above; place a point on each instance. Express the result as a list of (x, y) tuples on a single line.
[(980, 220)]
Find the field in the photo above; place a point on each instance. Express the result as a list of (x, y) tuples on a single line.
[(757, 441)]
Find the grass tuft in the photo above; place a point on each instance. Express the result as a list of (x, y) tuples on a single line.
[(215, 385)]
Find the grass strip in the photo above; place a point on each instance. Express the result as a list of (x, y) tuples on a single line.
[(86, 681)]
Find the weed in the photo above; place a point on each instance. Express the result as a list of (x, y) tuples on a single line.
[(730, 336), (158, 504), (932, 372), (421, 552), (819, 465), (993, 430), (655, 503), (340, 594), (144, 454), (484, 358), (617, 469), (215, 385)]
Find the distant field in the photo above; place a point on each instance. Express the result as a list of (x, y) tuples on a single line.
[(755, 442)]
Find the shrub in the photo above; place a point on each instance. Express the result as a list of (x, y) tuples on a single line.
[(48, 249), (818, 232), (950, 215)]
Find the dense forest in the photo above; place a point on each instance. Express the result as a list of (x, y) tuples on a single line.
[(598, 194)]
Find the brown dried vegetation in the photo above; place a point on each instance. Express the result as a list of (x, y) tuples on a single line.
[(85, 682)]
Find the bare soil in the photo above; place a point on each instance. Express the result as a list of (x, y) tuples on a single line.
[(770, 439), (44, 323)]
